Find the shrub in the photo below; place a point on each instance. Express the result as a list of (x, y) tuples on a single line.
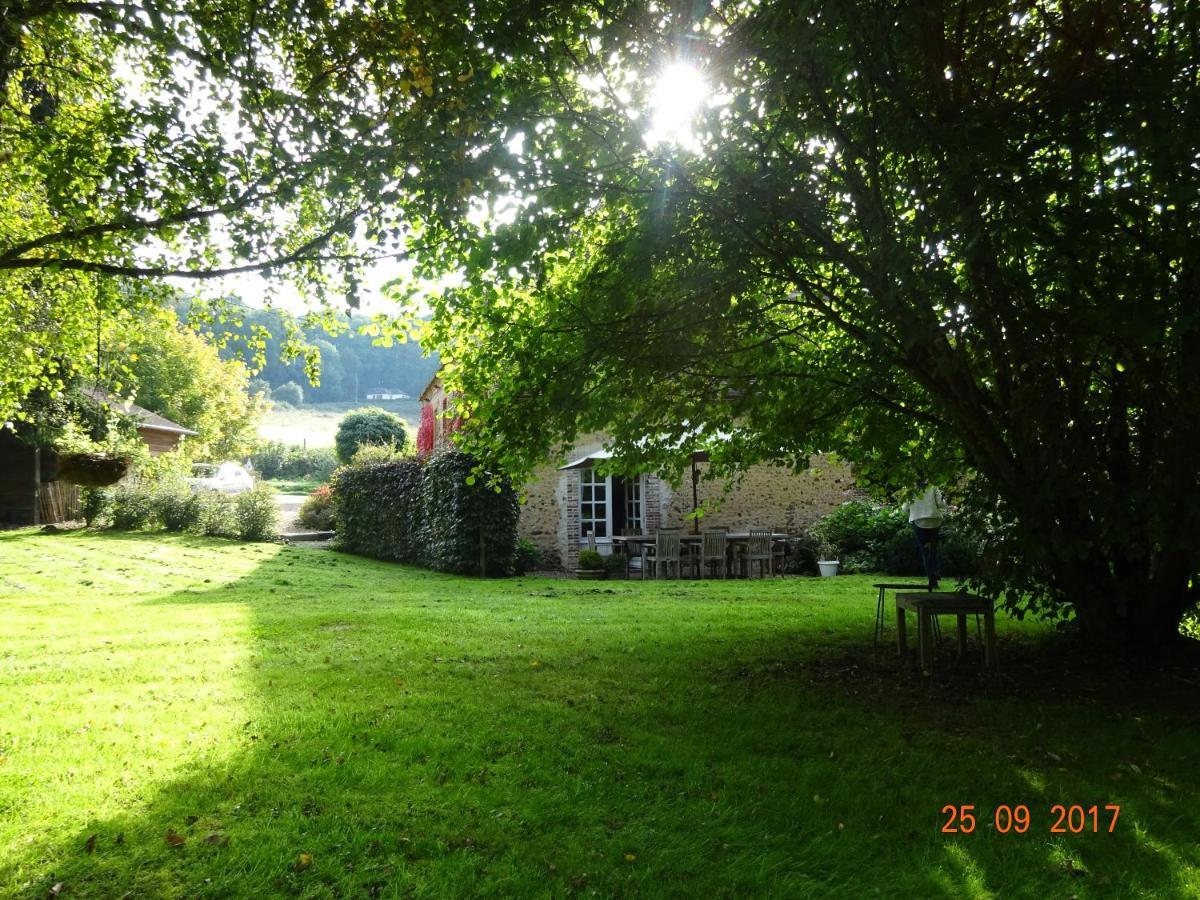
[(527, 557), (373, 454), (470, 523), (176, 505), (268, 458), (272, 459), (590, 559), (802, 555), (256, 514), (133, 505), (874, 538), (317, 512), (369, 425), (289, 392), (435, 513), (96, 506), (218, 514), (378, 510)]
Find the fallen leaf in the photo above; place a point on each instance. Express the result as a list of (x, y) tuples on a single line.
[(89, 845), (55, 891), (191, 820), (302, 862), (630, 857), (218, 840), (175, 840)]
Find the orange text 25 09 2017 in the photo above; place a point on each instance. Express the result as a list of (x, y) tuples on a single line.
[(1074, 818)]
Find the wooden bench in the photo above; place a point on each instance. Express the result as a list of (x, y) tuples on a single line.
[(928, 606), (888, 586)]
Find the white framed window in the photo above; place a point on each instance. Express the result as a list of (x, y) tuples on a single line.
[(633, 504), (595, 510)]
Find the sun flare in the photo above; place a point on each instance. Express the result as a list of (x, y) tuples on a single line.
[(680, 92)]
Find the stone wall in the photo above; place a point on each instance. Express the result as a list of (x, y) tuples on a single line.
[(767, 496)]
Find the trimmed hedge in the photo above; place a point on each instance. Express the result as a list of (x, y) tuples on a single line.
[(432, 513)]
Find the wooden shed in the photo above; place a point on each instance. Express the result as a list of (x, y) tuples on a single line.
[(29, 491)]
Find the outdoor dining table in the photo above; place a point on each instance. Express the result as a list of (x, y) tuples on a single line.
[(927, 606), (734, 538)]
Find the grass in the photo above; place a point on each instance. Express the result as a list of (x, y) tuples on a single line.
[(314, 424), (294, 486), (304, 723)]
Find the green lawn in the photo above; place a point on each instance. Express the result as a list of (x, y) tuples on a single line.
[(304, 723), (294, 486)]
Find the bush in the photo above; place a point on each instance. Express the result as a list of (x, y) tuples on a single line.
[(434, 513), (369, 425), (256, 514), (378, 510), (527, 557), (96, 506), (317, 512), (289, 392), (590, 559), (218, 514), (874, 538), (470, 525), (272, 459), (176, 505), (802, 555), (373, 454), (133, 505)]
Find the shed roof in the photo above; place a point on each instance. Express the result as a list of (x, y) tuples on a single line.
[(151, 421)]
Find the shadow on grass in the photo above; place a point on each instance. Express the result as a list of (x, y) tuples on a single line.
[(410, 734)]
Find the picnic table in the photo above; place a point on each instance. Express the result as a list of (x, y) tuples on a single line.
[(928, 606)]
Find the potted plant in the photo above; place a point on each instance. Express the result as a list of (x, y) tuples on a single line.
[(827, 560), (591, 566)]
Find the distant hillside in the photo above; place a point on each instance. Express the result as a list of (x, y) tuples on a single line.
[(351, 364)]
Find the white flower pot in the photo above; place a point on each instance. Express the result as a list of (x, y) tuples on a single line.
[(828, 567)]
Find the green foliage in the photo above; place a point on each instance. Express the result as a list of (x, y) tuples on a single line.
[(379, 510), (275, 460), (257, 514), (148, 500), (218, 514), (369, 425), (870, 246), (176, 372), (349, 355), (96, 505), (527, 557), (318, 512), (289, 392), (372, 454), (590, 559), (438, 513), (177, 506), (133, 505), (869, 537)]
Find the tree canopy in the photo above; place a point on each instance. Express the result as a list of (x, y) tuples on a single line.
[(950, 239)]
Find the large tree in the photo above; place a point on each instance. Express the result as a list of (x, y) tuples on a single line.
[(952, 239), (949, 237), (184, 138)]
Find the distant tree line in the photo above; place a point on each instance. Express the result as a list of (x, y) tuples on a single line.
[(349, 363)]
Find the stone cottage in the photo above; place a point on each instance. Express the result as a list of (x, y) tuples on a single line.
[(562, 503)]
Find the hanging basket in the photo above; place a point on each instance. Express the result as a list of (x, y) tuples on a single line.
[(92, 469)]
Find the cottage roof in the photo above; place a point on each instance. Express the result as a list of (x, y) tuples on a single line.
[(151, 421)]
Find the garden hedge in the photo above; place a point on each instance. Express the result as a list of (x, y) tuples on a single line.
[(432, 513)]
